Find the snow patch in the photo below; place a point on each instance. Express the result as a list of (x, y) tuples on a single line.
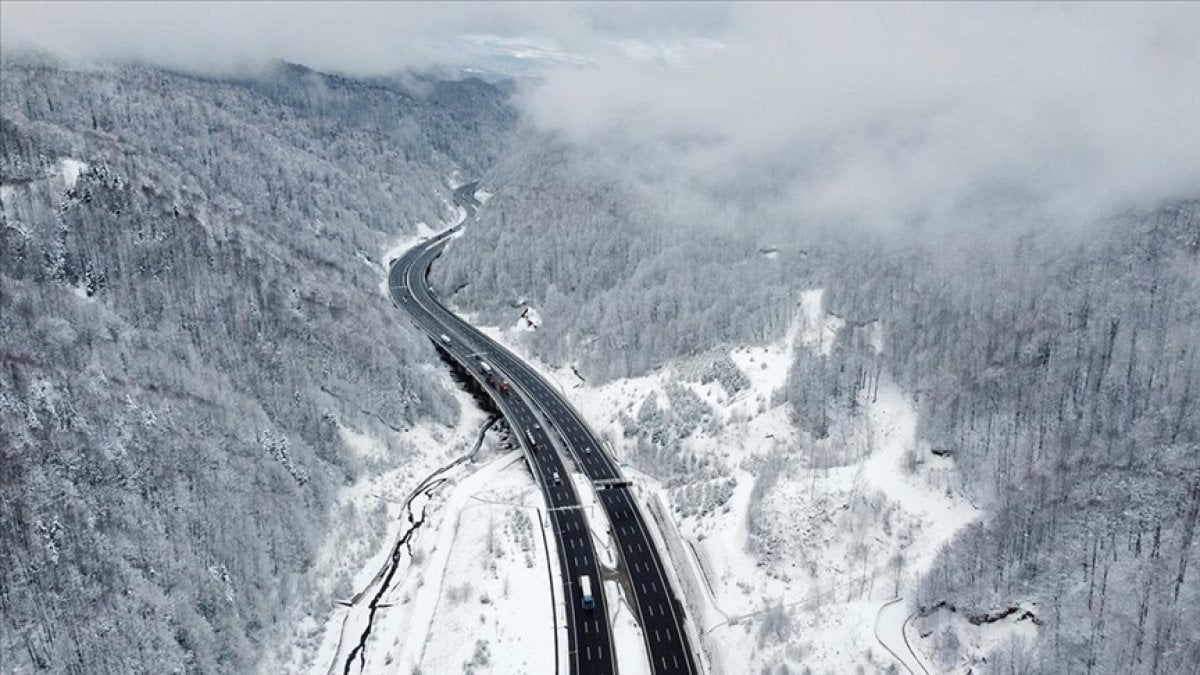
[(925, 495), (69, 169), (530, 320), (632, 658), (362, 445), (818, 328)]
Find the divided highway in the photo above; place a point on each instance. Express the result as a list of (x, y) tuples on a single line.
[(531, 403), (589, 640)]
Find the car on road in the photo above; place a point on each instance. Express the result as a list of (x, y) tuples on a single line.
[(445, 338), (557, 478), (532, 440), (498, 383), (587, 449)]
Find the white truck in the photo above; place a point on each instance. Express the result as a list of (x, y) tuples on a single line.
[(585, 591)]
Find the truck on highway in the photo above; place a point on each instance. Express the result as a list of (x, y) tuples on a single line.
[(585, 591)]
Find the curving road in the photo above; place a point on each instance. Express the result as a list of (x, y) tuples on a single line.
[(589, 640), (534, 409)]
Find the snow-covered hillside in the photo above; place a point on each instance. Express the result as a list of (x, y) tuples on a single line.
[(369, 516), (785, 563)]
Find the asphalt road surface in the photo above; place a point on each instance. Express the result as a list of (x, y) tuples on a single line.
[(535, 410)]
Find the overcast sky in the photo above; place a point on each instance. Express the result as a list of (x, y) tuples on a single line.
[(879, 113)]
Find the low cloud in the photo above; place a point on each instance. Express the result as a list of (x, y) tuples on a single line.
[(357, 38), (891, 114), (902, 114)]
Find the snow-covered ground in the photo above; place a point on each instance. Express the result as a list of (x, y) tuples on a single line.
[(368, 517), (69, 169), (829, 546), (494, 598), (479, 596)]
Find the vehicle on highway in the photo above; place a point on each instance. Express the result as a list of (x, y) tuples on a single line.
[(445, 338), (498, 383), (585, 592), (485, 367), (587, 449), (557, 478), (532, 440)]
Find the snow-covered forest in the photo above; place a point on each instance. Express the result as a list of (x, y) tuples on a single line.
[(188, 313), (1056, 366), (889, 316), (628, 289)]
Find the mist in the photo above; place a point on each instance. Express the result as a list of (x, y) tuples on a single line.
[(353, 38), (891, 115), (903, 115)]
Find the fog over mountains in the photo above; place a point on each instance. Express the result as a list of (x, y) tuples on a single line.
[(996, 206)]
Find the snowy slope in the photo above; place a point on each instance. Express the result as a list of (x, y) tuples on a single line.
[(370, 518), (832, 545)]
